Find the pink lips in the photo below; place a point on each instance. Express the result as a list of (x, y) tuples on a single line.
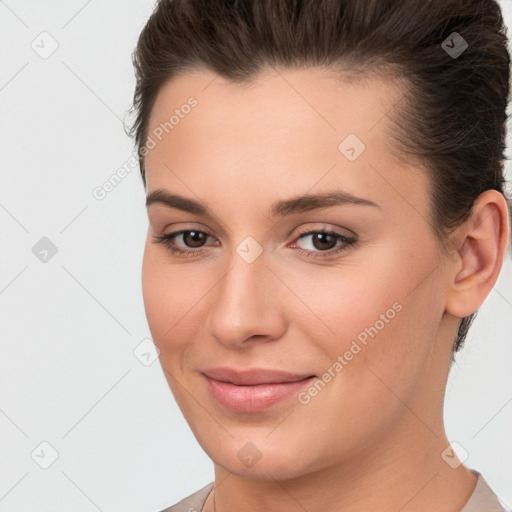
[(252, 390)]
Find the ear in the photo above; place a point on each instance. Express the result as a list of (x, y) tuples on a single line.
[(482, 243)]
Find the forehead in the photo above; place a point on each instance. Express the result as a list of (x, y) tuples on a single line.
[(287, 130), (300, 101)]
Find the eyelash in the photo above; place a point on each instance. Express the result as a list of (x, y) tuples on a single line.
[(168, 241)]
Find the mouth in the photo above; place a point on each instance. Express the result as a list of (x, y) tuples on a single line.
[(253, 390), (253, 376)]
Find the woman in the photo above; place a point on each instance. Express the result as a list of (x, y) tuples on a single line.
[(326, 214)]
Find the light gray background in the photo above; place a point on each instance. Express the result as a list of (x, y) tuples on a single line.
[(68, 329)]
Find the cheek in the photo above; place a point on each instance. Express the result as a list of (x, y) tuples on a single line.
[(373, 316), (168, 303), (174, 301), (349, 303), (379, 351), (165, 296)]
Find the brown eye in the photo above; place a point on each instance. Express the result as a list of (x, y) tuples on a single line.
[(323, 241), (194, 238), (192, 241)]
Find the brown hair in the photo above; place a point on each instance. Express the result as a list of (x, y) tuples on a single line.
[(453, 119)]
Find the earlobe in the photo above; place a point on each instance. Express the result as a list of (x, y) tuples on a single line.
[(485, 238)]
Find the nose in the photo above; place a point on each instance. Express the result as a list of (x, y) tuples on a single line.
[(247, 304)]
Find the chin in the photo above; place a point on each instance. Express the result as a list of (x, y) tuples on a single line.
[(261, 458)]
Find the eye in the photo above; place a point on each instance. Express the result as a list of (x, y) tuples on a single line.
[(324, 240), (194, 242), (192, 236)]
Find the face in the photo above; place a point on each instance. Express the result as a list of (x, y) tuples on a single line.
[(330, 288)]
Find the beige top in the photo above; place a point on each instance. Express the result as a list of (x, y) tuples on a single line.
[(483, 499)]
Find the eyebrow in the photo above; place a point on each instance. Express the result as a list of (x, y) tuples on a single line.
[(280, 208)]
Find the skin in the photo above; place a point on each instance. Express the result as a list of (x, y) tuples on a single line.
[(372, 439)]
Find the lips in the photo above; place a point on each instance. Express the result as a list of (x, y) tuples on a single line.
[(254, 376), (253, 390)]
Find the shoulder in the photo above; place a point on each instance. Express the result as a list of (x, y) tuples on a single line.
[(192, 503), (483, 498)]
